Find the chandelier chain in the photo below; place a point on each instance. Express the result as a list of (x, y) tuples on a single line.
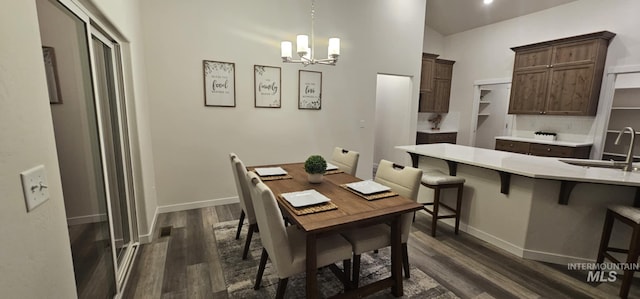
[(313, 40)]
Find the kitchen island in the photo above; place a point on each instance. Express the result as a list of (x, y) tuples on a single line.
[(534, 207)]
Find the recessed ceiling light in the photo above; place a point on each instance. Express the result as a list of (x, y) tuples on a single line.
[(488, 1)]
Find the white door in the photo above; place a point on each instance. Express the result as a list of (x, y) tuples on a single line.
[(392, 125)]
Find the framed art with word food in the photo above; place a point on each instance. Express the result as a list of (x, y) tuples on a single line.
[(219, 83), (267, 80), (309, 90)]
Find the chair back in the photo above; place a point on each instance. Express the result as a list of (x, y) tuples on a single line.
[(405, 181), (242, 186), (346, 160), (273, 232)]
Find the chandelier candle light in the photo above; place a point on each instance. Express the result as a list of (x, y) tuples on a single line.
[(306, 53)]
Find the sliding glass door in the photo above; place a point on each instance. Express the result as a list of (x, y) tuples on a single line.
[(92, 139), (112, 124)]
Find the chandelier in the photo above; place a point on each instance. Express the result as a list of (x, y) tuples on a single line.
[(306, 53)]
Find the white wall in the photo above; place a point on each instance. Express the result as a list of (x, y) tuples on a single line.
[(433, 41), (35, 256), (484, 52), (393, 106), (191, 142)]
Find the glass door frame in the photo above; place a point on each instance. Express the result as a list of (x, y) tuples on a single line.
[(121, 271), (93, 27)]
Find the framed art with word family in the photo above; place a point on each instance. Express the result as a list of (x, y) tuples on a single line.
[(309, 90), (219, 83), (267, 80)]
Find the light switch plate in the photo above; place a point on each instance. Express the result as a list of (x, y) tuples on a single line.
[(35, 187)]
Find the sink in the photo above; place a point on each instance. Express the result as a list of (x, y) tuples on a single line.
[(597, 163)]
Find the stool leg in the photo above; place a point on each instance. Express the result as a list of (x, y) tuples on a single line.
[(632, 258), (606, 235), (458, 205), (434, 216)]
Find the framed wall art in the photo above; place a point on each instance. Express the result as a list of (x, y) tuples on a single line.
[(309, 90), (219, 83), (51, 70), (267, 80)]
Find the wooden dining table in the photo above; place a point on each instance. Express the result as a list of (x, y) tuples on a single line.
[(352, 211)]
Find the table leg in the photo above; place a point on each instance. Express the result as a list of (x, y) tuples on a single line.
[(396, 257), (312, 267)]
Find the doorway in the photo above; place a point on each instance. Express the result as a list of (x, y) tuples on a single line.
[(490, 118), (91, 132), (393, 112)]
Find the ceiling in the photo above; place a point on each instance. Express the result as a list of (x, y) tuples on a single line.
[(454, 16)]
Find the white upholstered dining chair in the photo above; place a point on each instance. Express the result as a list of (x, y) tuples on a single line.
[(346, 160), (242, 186), (285, 246), (405, 181)]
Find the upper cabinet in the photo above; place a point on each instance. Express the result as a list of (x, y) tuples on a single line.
[(435, 84), (428, 72), (559, 77)]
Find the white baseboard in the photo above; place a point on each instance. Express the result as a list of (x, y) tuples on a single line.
[(86, 219), (147, 238), (516, 250), (554, 258), (197, 204), (500, 243)]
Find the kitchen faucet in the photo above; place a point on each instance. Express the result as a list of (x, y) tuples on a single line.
[(629, 161)]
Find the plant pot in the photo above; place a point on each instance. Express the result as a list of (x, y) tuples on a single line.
[(315, 178)]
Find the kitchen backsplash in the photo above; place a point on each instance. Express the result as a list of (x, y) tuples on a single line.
[(450, 121), (568, 128)]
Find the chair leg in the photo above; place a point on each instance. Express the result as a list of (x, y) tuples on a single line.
[(606, 235), (282, 287), (346, 265), (458, 207), (434, 216), (632, 258), (405, 260), (263, 264), (240, 225), (247, 243), (355, 278)]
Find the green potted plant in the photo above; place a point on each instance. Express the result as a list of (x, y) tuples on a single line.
[(315, 166)]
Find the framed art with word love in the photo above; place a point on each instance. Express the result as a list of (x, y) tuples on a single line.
[(309, 90)]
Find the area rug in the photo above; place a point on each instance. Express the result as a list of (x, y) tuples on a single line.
[(240, 274)]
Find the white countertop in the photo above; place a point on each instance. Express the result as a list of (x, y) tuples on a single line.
[(431, 131), (525, 165), (554, 142)]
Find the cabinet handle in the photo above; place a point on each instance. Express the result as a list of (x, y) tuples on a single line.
[(541, 112), (548, 149), (511, 145)]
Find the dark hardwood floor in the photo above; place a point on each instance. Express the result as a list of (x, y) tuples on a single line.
[(183, 263), (92, 260)]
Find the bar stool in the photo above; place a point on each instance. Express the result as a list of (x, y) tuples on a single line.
[(631, 217), (438, 180)]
